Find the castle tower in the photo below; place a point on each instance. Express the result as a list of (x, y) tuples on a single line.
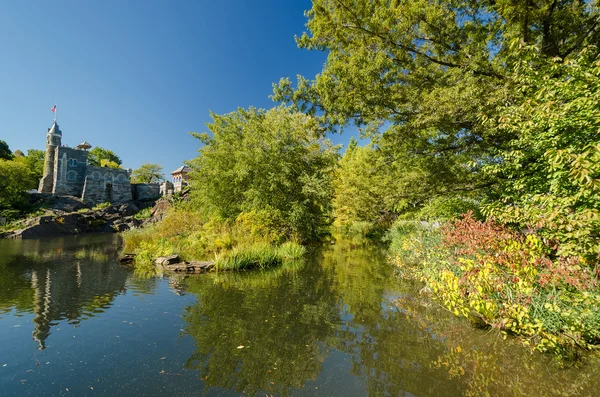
[(53, 141)]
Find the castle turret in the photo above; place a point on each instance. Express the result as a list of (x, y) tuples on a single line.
[(53, 141)]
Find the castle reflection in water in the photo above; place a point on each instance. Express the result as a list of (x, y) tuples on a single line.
[(60, 279)]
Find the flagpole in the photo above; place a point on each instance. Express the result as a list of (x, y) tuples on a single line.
[(55, 110)]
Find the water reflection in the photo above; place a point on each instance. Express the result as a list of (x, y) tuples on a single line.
[(68, 278), (340, 323), (276, 332), (260, 331)]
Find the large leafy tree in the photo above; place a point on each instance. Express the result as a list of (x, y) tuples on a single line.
[(147, 173), (98, 154), (431, 70), (274, 164), (550, 173), (34, 161), (5, 152), (15, 179)]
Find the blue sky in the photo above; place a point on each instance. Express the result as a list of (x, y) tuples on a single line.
[(136, 76)]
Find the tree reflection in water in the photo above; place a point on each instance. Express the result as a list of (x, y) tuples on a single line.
[(272, 331)]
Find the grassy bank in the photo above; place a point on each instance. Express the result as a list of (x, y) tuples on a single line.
[(506, 280), (234, 245)]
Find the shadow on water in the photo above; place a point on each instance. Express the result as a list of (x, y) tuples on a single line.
[(70, 278)]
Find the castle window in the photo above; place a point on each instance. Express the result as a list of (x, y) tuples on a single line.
[(122, 178), (71, 176), (72, 162)]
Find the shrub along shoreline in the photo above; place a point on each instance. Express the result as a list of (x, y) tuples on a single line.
[(241, 244), (505, 280)]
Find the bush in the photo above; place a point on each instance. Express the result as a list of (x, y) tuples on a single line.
[(146, 213), (507, 280), (15, 179), (194, 236), (101, 206)]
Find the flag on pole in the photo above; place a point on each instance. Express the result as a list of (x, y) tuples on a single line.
[(53, 109)]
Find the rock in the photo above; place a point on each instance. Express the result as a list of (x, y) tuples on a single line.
[(128, 209), (60, 203), (63, 216), (121, 227), (203, 266), (127, 259), (164, 261), (190, 267)]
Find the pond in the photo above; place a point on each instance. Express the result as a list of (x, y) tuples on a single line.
[(341, 323)]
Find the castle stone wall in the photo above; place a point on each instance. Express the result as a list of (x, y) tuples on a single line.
[(145, 191), (103, 184), (69, 171)]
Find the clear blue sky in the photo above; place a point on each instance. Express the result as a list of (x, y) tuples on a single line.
[(136, 76)]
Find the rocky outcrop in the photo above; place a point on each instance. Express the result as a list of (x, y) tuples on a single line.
[(56, 222), (173, 264), (162, 205), (57, 203)]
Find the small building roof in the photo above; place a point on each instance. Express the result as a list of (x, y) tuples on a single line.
[(184, 169), (84, 145)]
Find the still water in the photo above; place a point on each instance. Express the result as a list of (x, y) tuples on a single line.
[(75, 322)]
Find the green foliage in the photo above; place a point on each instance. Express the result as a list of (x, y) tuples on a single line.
[(362, 185), (146, 213), (15, 179), (97, 154), (259, 255), (431, 73), (499, 278), (550, 172), (34, 161), (5, 152), (444, 209), (109, 164), (101, 206), (273, 164), (147, 173)]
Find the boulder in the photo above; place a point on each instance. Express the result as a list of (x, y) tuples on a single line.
[(190, 267), (128, 209), (127, 259), (164, 261), (60, 203)]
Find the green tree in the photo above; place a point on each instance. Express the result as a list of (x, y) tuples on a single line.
[(431, 70), (98, 154), (15, 179), (360, 185), (108, 163), (550, 173), (147, 173), (34, 161), (275, 164), (5, 152)]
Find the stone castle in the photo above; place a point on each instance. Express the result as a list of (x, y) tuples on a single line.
[(67, 173)]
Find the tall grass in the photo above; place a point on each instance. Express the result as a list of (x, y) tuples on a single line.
[(238, 244), (259, 256)]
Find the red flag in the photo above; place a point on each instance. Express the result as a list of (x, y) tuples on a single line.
[(53, 109)]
